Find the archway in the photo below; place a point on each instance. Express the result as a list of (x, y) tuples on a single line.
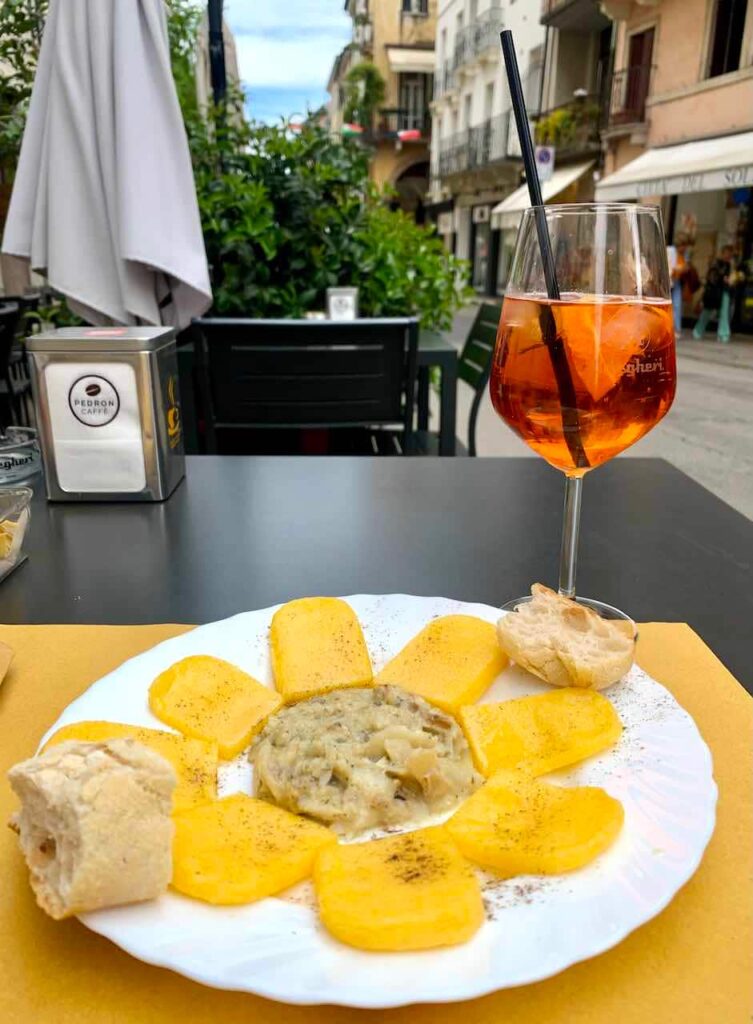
[(411, 185)]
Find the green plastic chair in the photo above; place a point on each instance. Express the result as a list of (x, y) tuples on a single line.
[(474, 367), (475, 362)]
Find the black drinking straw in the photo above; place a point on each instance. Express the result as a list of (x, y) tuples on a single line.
[(529, 161), (560, 365)]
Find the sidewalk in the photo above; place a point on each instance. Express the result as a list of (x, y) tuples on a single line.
[(737, 352)]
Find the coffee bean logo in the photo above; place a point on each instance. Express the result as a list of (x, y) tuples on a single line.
[(94, 400)]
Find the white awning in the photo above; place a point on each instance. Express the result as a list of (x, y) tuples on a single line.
[(411, 58), (703, 166), (506, 215)]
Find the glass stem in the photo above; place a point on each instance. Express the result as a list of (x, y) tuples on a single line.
[(570, 530)]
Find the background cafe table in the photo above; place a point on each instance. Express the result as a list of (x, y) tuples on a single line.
[(435, 350), (242, 533)]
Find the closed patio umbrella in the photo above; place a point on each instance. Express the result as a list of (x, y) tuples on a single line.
[(104, 202)]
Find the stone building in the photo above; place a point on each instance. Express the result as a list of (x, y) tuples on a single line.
[(475, 153), (397, 36)]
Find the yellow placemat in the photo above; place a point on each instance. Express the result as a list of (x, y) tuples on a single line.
[(692, 964)]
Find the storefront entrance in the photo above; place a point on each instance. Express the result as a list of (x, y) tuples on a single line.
[(711, 220)]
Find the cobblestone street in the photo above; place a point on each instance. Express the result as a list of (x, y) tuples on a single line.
[(708, 433)]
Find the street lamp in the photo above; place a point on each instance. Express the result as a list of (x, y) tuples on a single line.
[(216, 51)]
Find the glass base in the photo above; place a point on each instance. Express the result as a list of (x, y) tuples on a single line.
[(606, 611)]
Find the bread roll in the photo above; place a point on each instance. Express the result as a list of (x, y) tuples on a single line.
[(94, 824), (565, 643)]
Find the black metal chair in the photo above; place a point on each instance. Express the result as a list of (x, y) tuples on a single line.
[(474, 367), (293, 375), (15, 386)]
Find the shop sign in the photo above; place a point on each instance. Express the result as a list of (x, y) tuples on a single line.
[(445, 223), (481, 214), (708, 181)]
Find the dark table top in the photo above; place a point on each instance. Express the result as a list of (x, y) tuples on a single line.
[(242, 533), (434, 344)]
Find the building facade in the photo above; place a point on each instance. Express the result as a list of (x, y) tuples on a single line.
[(575, 79), (475, 156), (679, 130), (397, 36)]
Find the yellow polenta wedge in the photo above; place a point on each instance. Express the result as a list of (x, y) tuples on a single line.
[(451, 662), (210, 699), (194, 761), (542, 733), (516, 825), (241, 849), (317, 646), (411, 891)]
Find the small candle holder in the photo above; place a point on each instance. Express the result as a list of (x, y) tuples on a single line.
[(20, 456)]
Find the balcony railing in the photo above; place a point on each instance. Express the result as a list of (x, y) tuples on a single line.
[(480, 36), (630, 88), (486, 28), (475, 147), (573, 128), (445, 79), (400, 119), (363, 34)]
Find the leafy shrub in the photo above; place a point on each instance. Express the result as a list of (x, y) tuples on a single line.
[(287, 214), (365, 90), (404, 269)]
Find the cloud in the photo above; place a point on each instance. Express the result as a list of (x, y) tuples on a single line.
[(291, 63), (293, 16), (269, 104), (286, 49)]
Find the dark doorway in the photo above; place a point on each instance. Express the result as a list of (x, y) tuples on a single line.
[(638, 73), (412, 186)]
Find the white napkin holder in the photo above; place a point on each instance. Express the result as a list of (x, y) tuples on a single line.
[(108, 412)]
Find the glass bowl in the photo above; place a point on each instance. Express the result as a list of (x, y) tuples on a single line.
[(14, 521)]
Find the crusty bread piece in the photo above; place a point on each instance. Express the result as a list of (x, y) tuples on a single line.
[(95, 824), (564, 643)]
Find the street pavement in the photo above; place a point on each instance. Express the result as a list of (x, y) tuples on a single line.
[(708, 433)]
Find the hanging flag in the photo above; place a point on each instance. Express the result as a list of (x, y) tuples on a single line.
[(409, 135), (352, 129)]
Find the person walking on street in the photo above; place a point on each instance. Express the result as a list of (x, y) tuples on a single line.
[(716, 296), (677, 255)]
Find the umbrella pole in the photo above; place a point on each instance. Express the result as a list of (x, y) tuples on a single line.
[(217, 51)]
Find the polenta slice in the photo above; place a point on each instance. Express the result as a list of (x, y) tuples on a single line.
[(317, 646), (515, 825), (210, 699), (542, 733), (240, 849), (194, 761), (412, 891), (451, 662)]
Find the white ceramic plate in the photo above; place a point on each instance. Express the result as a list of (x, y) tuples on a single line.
[(660, 769)]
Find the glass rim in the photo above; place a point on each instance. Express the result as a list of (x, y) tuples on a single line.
[(594, 206)]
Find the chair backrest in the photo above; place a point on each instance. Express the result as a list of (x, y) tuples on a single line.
[(476, 357), (308, 373), (475, 361), (9, 316)]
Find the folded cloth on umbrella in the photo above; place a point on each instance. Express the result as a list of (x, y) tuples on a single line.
[(104, 202)]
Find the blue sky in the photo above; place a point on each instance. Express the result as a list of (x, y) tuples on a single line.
[(285, 52)]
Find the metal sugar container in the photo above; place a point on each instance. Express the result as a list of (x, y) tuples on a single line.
[(108, 412)]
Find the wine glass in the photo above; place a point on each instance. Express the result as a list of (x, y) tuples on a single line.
[(583, 376)]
